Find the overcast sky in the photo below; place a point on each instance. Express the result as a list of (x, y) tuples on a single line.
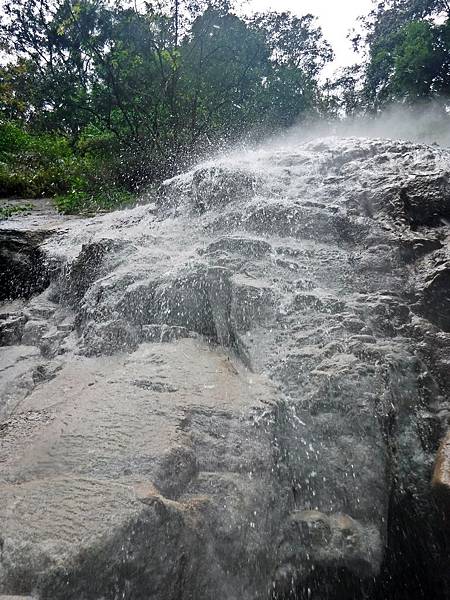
[(336, 18)]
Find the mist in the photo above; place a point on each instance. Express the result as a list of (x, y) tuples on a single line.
[(427, 122)]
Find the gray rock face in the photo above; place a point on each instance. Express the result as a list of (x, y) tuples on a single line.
[(22, 265), (238, 393)]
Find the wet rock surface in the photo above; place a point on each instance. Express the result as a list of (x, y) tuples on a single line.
[(238, 392), (23, 270)]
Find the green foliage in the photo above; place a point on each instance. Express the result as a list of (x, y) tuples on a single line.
[(408, 51), (8, 210), (38, 165), (34, 165), (415, 62), (78, 201)]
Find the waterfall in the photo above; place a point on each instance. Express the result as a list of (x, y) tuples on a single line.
[(236, 389)]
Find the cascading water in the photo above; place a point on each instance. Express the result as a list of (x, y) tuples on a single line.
[(236, 390)]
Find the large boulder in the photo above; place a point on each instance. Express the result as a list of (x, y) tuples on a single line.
[(243, 391), (23, 269)]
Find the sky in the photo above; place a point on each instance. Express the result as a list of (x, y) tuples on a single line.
[(336, 17)]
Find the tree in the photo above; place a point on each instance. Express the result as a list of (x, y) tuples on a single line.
[(163, 80), (408, 51), (342, 94)]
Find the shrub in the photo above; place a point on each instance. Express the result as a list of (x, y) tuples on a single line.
[(78, 201), (81, 177), (8, 210)]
